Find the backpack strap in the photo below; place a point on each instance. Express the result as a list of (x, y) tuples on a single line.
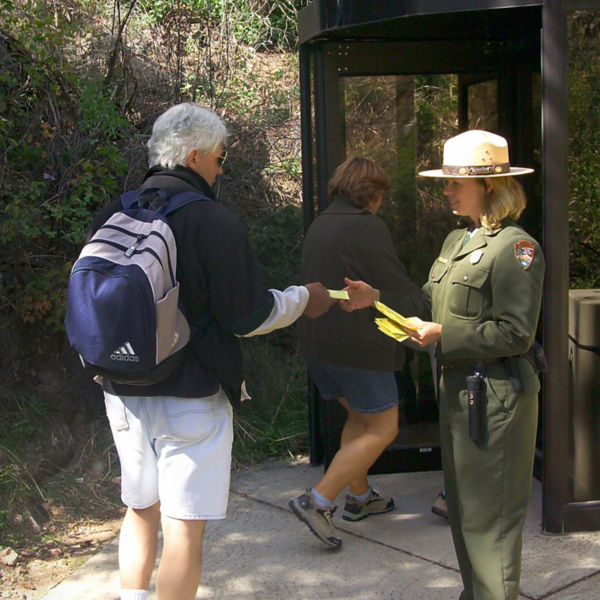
[(128, 199), (135, 198), (177, 201)]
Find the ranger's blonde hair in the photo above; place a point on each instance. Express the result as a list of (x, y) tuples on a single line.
[(505, 200)]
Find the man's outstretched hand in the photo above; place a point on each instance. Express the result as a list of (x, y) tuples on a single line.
[(319, 301)]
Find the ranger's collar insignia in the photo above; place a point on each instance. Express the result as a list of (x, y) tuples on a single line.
[(475, 256), (525, 253)]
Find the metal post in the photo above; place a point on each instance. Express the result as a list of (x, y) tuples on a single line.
[(321, 129), (308, 209), (556, 418), (308, 201)]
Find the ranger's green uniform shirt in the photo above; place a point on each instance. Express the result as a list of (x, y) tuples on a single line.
[(486, 293)]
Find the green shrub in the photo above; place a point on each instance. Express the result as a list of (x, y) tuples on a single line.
[(276, 237), (257, 23), (274, 422)]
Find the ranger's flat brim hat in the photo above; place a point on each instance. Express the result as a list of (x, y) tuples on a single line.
[(476, 153)]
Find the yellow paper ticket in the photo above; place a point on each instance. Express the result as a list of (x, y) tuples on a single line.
[(387, 326), (406, 324), (339, 294)]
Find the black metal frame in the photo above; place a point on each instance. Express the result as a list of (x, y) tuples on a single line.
[(337, 59), (333, 44), (559, 513), (340, 17)]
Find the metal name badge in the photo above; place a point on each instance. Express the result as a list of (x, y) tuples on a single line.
[(475, 257)]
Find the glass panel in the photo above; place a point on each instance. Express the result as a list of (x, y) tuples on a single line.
[(401, 122), (379, 124), (584, 231), (483, 105), (584, 125)]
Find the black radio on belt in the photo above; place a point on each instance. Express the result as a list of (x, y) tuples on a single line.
[(476, 407)]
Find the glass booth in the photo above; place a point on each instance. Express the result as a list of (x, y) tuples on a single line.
[(393, 80)]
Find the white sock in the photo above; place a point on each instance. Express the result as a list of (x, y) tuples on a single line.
[(134, 594), (320, 500), (362, 497)]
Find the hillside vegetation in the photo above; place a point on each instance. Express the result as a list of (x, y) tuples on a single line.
[(81, 82)]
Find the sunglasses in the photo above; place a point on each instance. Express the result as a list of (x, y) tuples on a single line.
[(222, 158)]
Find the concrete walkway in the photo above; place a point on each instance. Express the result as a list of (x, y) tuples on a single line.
[(261, 551)]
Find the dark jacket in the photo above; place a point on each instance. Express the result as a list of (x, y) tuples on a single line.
[(346, 241), (221, 290)]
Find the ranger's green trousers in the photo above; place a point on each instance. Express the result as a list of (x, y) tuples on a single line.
[(488, 486)]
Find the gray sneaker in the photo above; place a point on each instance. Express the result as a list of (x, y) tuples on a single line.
[(375, 504), (317, 519)]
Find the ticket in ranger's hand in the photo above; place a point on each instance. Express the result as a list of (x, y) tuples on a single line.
[(339, 294), (388, 327), (396, 325)]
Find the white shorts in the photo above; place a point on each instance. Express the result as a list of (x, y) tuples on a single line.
[(176, 450)]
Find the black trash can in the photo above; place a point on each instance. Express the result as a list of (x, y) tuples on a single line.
[(584, 358)]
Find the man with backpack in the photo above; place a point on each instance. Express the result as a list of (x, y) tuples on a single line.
[(174, 437)]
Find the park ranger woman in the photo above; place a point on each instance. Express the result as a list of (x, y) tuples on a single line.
[(485, 291)]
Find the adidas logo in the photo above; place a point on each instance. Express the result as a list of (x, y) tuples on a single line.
[(125, 353)]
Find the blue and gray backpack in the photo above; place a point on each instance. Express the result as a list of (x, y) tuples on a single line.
[(123, 315)]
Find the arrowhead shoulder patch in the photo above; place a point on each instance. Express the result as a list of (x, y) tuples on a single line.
[(524, 253)]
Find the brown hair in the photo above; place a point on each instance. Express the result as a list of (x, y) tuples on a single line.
[(506, 200), (360, 180)]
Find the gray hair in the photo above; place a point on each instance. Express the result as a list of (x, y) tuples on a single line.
[(181, 129)]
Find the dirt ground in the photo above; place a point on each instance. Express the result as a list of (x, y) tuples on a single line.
[(37, 570), (53, 531), (59, 470), (61, 503)]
